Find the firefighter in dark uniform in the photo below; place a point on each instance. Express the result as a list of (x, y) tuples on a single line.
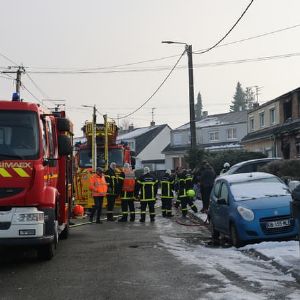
[(146, 187), (113, 190), (167, 187), (127, 187), (185, 183)]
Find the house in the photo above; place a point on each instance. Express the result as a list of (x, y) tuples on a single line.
[(274, 127), (213, 133), (148, 143)]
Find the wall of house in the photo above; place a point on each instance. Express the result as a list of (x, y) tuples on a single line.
[(264, 146), (172, 161), (182, 137), (153, 150), (240, 128), (255, 115)]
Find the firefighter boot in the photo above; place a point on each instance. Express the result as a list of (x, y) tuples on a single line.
[(194, 208), (123, 219), (132, 217)]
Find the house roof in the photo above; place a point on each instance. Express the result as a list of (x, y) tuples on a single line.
[(142, 136), (273, 131), (276, 99), (219, 119), (210, 146)]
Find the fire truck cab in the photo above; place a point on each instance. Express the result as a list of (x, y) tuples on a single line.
[(35, 176)]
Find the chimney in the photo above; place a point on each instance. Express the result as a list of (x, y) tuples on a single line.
[(204, 114), (130, 127), (255, 105), (152, 123)]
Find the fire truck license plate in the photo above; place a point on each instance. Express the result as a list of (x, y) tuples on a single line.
[(279, 223)]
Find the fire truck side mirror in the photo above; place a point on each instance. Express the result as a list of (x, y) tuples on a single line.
[(64, 145)]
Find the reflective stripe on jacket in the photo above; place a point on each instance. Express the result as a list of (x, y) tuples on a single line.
[(167, 186), (147, 185)]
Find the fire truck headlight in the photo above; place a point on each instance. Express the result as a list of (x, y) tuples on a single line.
[(30, 217)]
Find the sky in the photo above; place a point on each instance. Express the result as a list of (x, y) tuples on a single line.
[(70, 35)]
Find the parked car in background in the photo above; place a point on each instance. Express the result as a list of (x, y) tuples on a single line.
[(252, 165), (251, 207)]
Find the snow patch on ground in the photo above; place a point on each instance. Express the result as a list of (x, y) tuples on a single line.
[(240, 276)]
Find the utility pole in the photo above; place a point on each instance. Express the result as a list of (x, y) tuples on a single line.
[(106, 142), (94, 140), (152, 114), (189, 52), (19, 73)]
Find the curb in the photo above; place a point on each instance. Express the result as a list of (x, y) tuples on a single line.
[(284, 269), (257, 254)]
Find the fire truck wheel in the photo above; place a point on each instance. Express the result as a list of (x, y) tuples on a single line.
[(46, 252)]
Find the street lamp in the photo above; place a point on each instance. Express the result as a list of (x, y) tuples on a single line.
[(188, 49)]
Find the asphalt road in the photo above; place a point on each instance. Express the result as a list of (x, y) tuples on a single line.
[(123, 261)]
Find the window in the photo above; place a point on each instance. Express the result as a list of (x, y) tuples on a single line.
[(213, 136), (224, 192), (231, 133), (217, 188), (50, 137), (251, 124), (261, 119), (177, 139), (19, 135), (272, 116)]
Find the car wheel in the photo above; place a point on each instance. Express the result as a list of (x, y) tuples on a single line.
[(236, 242), (215, 234)]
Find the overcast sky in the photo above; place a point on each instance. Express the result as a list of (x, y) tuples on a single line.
[(60, 35)]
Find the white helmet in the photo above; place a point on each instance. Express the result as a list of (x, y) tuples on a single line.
[(226, 165)]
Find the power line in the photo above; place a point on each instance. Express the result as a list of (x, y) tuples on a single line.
[(166, 78), (7, 58), (238, 20), (209, 64), (37, 87), (252, 37), (35, 97)]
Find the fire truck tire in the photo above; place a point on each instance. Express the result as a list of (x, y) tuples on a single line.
[(46, 252), (63, 124)]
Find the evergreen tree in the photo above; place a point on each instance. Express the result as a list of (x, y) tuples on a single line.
[(250, 98), (239, 99), (198, 107)]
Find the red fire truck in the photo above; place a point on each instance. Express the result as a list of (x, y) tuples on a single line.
[(118, 153), (35, 176)]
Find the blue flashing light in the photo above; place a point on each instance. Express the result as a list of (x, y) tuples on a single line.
[(15, 97)]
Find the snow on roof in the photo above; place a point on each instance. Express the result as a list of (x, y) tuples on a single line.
[(209, 121), (135, 133), (219, 119)]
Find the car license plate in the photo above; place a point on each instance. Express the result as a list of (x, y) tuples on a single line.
[(279, 223)]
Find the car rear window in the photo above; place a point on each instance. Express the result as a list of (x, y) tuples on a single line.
[(263, 187)]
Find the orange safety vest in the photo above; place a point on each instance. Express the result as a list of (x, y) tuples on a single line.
[(129, 181), (98, 185)]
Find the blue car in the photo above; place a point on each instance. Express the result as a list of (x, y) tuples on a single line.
[(251, 207)]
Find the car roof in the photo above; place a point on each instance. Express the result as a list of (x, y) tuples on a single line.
[(243, 177), (256, 160)]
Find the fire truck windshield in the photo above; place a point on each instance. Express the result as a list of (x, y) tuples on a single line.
[(19, 135), (114, 155)]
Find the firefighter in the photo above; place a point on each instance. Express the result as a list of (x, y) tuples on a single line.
[(98, 186), (167, 187), (127, 186), (147, 186), (185, 183), (113, 189)]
